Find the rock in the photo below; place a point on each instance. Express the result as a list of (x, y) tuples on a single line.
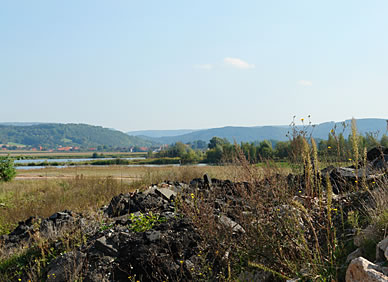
[(65, 267), (367, 233), (119, 205), (166, 193), (230, 223), (197, 183), (362, 270), (375, 153), (152, 236), (382, 250), (256, 275), (102, 245), (381, 163), (49, 227), (355, 254), (207, 180)]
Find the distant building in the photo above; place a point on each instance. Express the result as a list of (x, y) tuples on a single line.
[(66, 149)]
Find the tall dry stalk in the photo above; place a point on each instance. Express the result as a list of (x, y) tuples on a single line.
[(354, 142)]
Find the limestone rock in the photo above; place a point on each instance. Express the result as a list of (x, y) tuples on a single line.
[(382, 250), (355, 254), (362, 270)]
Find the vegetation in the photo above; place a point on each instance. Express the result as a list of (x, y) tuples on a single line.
[(260, 133), (143, 222), (81, 135), (83, 189), (292, 229), (182, 151), (7, 170)]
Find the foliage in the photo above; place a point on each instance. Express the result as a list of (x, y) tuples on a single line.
[(7, 169), (143, 222), (182, 151), (54, 135)]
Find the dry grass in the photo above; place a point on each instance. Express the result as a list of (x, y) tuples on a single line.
[(153, 174), (42, 192), (65, 154)]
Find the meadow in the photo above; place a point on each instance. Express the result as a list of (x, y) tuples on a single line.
[(41, 192), (294, 225)]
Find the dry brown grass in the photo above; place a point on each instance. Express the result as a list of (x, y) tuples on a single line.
[(42, 192), (64, 154)]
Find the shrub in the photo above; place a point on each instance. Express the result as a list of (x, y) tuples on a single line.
[(7, 169)]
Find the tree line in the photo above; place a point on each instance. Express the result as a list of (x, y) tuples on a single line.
[(220, 150)]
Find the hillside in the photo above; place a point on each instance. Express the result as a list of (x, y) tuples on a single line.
[(54, 135), (279, 133), (160, 133)]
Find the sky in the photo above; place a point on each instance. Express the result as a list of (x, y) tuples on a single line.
[(151, 64)]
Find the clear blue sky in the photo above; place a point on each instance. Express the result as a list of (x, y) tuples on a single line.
[(157, 64)]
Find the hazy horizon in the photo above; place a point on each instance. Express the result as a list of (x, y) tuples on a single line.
[(205, 64), (298, 122)]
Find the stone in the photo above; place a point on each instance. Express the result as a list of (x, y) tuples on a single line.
[(207, 180), (362, 270), (382, 250), (230, 223), (65, 267), (367, 233), (355, 254), (102, 245), (168, 194), (152, 236)]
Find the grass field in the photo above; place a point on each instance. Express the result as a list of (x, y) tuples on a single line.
[(41, 192)]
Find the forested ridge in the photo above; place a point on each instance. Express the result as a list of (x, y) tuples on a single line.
[(54, 135)]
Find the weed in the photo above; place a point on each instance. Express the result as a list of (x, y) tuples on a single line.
[(143, 222)]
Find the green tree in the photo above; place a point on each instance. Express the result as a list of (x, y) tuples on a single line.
[(265, 150), (190, 157), (217, 141), (7, 169), (282, 149), (214, 155)]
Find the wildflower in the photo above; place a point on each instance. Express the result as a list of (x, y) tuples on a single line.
[(350, 159), (19, 279), (373, 182), (300, 191), (181, 261), (329, 147), (355, 181), (192, 195)]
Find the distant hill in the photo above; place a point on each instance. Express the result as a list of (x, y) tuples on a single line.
[(20, 123), (279, 133), (160, 133), (53, 135)]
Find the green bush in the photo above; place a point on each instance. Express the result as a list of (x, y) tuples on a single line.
[(7, 169)]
